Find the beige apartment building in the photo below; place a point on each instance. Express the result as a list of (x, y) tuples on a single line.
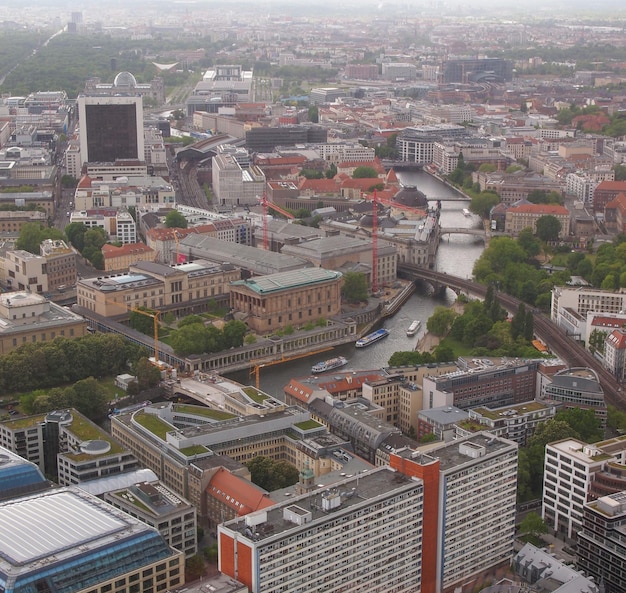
[(527, 215), (121, 258)]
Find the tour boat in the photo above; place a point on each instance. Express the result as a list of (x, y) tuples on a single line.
[(329, 365), (412, 330), (369, 339)]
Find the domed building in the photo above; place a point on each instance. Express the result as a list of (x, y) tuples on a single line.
[(125, 83), (411, 197)]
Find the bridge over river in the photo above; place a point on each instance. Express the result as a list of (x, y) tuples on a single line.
[(562, 345)]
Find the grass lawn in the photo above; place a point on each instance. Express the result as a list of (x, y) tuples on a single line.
[(457, 347)]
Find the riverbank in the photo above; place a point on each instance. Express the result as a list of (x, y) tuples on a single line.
[(428, 342)]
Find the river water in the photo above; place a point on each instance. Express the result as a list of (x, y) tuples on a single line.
[(456, 256)]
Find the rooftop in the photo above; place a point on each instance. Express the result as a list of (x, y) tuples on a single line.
[(288, 280)]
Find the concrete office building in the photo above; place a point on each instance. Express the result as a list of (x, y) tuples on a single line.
[(578, 388), (570, 305), (234, 184), (111, 128), (482, 382), (66, 445), (366, 533), (67, 540), (180, 444), (417, 144), (467, 70), (568, 472)]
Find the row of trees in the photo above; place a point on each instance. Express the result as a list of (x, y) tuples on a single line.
[(50, 364)]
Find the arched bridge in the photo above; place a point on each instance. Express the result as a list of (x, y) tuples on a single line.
[(463, 231), (563, 346)]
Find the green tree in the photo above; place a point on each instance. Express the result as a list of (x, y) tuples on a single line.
[(365, 172), (487, 168), (533, 524), (483, 203), (440, 322), (584, 421), (429, 437), (175, 220), (518, 323), (233, 333), (314, 115), (89, 398), (148, 375), (332, 171), (620, 172), (75, 232), (548, 228), (194, 568), (354, 288), (311, 174), (272, 475), (526, 239), (33, 233), (596, 341)]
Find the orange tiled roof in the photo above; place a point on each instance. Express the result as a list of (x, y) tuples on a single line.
[(544, 209), (109, 251), (237, 493)]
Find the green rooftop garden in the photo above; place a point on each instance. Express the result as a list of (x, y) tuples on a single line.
[(26, 422), (135, 501), (495, 414), (255, 395), (471, 425), (193, 450), (308, 425), (84, 430), (159, 428), (202, 411)]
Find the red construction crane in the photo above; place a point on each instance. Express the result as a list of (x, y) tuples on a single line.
[(267, 204), (374, 242)]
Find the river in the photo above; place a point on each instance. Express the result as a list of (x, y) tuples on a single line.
[(456, 256)]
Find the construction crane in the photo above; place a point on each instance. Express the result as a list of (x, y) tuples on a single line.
[(155, 319), (266, 205), (255, 369), (175, 233), (154, 314), (374, 242)]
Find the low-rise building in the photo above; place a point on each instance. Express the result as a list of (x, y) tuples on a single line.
[(154, 504), (122, 257), (183, 289), (526, 216), (29, 318), (66, 539), (273, 302)]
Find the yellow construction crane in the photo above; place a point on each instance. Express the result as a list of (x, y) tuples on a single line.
[(155, 318), (255, 369), (154, 314)]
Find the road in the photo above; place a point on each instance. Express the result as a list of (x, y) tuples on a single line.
[(562, 345)]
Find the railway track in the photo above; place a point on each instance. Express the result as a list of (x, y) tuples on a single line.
[(562, 345)]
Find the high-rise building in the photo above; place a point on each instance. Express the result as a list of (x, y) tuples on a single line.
[(601, 546), (363, 534), (111, 128)]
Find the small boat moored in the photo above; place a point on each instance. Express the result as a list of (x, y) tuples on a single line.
[(413, 328), (329, 365), (369, 339)]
